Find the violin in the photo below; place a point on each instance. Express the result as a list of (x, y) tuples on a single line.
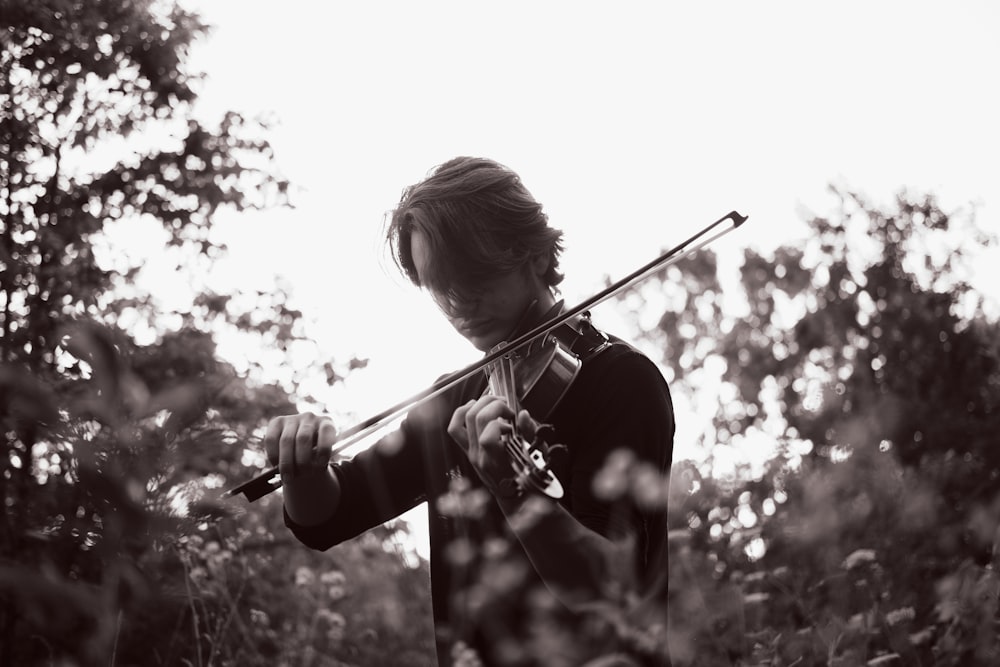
[(529, 459), (536, 378), (534, 370)]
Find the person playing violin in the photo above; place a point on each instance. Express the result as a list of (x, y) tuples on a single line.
[(515, 575)]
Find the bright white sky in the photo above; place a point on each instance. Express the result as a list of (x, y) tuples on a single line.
[(635, 126)]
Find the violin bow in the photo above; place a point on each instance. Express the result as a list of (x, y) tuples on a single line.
[(270, 480)]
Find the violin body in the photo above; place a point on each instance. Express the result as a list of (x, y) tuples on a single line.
[(513, 376), (542, 376), (536, 377)]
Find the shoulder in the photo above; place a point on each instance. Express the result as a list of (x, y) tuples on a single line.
[(622, 364), (619, 400), (622, 381)]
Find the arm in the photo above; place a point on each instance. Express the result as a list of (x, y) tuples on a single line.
[(625, 405), (576, 563), (324, 504)]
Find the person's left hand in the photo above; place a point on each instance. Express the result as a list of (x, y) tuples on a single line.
[(479, 428)]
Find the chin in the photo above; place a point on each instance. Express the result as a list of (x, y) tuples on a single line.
[(483, 344)]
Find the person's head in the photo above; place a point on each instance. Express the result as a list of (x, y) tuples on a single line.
[(475, 238)]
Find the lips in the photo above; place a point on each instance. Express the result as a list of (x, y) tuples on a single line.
[(476, 327)]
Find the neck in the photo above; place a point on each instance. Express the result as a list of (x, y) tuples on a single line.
[(538, 311), (545, 302)]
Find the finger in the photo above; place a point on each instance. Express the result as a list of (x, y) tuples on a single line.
[(457, 428), (472, 427), (490, 420), (487, 410), (271, 437), (305, 444), (286, 447), (491, 437), (325, 439)]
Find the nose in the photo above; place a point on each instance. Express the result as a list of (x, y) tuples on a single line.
[(457, 306)]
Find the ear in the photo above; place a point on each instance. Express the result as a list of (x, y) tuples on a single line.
[(540, 265)]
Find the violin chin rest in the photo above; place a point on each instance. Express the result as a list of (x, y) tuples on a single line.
[(539, 476), (552, 488)]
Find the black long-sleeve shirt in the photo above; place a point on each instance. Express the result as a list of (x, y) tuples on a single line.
[(484, 592)]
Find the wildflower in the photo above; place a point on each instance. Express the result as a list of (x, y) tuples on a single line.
[(463, 655), (924, 636), (649, 488), (333, 577), (505, 577), (859, 622), (495, 548), (336, 624), (897, 616), (304, 576), (463, 501), (534, 509), (460, 552), (611, 481), (258, 617), (858, 558), (218, 560)]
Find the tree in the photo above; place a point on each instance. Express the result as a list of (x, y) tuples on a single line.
[(865, 358), (113, 549), (94, 425)]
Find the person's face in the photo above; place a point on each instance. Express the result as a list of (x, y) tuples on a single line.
[(487, 313)]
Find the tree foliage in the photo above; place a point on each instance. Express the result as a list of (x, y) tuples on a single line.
[(120, 421), (865, 354)]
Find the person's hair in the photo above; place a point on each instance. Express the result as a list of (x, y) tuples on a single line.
[(478, 220)]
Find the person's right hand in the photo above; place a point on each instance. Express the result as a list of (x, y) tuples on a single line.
[(300, 445)]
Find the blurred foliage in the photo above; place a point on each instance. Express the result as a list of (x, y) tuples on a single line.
[(869, 538), (115, 548)]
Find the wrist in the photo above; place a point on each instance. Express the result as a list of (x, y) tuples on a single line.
[(311, 499), (526, 512)]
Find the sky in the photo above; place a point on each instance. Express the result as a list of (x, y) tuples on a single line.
[(635, 126)]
